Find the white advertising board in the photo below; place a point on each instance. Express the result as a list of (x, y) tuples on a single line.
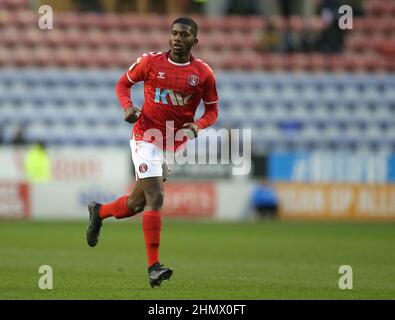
[(71, 163)]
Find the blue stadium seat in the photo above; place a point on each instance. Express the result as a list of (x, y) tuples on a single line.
[(287, 110)]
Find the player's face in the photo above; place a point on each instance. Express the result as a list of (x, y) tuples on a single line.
[(181, 39)]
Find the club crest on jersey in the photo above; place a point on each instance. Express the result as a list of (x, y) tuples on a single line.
[(161, 75), (193, 80), (143, 167)]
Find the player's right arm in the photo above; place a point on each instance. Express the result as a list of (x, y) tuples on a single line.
[(137, 72)]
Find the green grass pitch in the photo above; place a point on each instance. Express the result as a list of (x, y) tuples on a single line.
[(264, 260)]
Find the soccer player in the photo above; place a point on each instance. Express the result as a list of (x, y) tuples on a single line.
[(174, 84)]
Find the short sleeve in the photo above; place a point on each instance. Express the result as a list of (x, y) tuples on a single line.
[(210, 90)]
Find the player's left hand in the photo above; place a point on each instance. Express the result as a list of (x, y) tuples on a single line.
[(192, 127)]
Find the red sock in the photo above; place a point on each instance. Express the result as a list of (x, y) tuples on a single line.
[(152, 226), (117, 209)]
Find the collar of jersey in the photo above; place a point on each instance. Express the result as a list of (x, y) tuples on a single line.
[(178, 64)]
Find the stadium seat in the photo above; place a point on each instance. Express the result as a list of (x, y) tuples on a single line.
[(287, 110), (102, 36)]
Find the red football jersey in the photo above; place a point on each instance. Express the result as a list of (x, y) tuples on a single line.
[(172, 93)]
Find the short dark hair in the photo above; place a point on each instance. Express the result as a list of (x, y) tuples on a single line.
[(189, 22)]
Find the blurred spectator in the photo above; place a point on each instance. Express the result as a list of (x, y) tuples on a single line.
[(89, 5), (291, 40), (176, 6), (19, 138), (242, 7), (197, 6), (270, 39), (309, 38), (123, 6), (332, 36), (356, 5), (152, 6), (37, 163), (264, 200), (325, 36), (295, 7), (287, 7)]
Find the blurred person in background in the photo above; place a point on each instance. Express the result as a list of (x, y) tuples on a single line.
[(356, 5), (162, 6), (37, 163), (242, 7), (271, 38), (175, 82), (289, 8), (19, 137), (264, 200), (291, 41), (197, 6), (309, 38), (332, 36), (89, 5), (286, 7)]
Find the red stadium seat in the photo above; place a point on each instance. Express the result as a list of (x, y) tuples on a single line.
[(278, 22), (69, 20), (318, 62), (109, 21), (390, 64), (236, 23), (210, 24), (337, 63), (55, 38), (24, 19), (33, 38), (276, 62), (229, 42), (297, 62), (239, 41), (387, 48), (91, 21), (296, 23), (6, 58), (255, 23), (217, 41), (20, 58), (380, 7), (130, 22), (14, 5), (114, 40)]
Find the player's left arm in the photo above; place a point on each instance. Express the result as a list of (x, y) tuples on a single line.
[(210, 100)]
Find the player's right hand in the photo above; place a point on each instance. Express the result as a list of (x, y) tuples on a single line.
[(132, 114)]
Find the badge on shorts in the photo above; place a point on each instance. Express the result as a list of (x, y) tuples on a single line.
[(143, 167), (193, 80)]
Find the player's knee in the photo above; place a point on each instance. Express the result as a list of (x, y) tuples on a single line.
[(157, 200), (130, 204)]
